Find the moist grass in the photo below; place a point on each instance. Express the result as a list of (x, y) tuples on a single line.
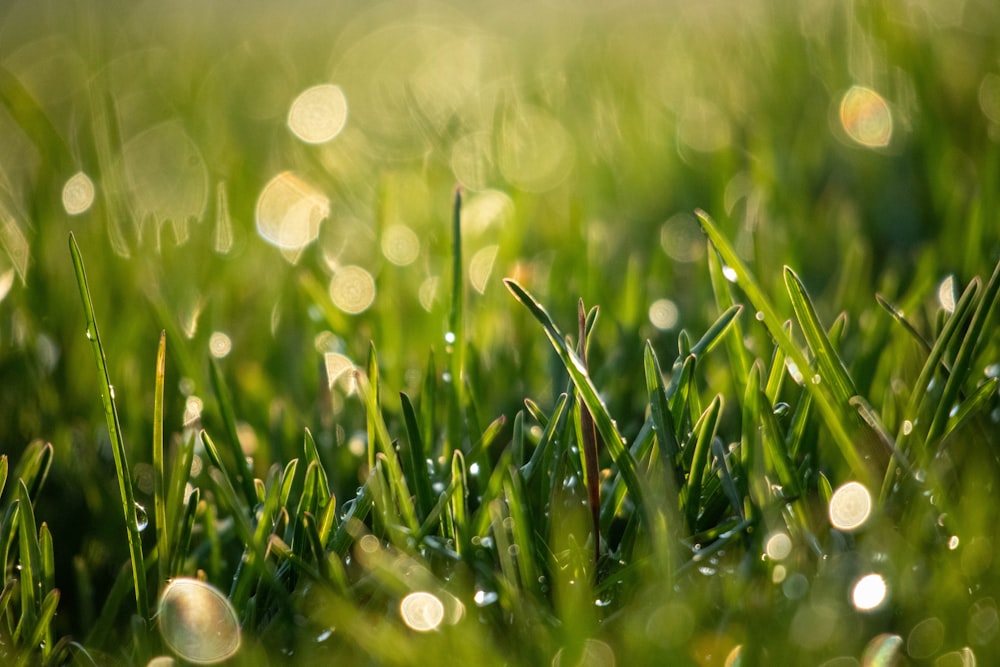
[(682, 372)]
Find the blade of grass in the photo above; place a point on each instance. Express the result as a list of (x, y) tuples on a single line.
[(244, 475), (114, 431), (415, 463), (33, 466), (705, 431), (830, 365), (29, 555), (833, 415), (159, 497), (588, 438), (605, 425), (976, 335), (724, 301), (455, 336)]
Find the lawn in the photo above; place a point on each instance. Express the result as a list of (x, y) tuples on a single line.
[(567, 333)]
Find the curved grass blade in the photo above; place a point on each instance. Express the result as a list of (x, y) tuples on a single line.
[(898, 315), (588, 393), (3, 473), (830, 365), (724, 300), (33, 466), (114, 431), (42, 632), (244, 475), (977, 334), (415, 461), (705, 432), (455, 337), (970, 407), (588, 436), (30, 558), (833, 414)]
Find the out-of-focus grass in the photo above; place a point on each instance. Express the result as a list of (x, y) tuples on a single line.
[(854, 144)]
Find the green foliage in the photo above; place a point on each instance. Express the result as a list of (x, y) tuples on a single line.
[(665, 484)]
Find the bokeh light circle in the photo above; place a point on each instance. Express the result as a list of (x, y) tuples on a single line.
[(850, 506), (352, 289), (78, 194), (197, 622), (318, 114)]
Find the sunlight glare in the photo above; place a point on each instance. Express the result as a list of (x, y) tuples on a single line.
[(400, 245), (197, 622), (481, 266), (869, 592), (865, 116), (422, 611), (318, 114), (663, 314), (78, 194), (289, 212), (352, 289), (850, 506)]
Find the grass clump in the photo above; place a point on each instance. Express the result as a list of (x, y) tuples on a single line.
[(393, 433)]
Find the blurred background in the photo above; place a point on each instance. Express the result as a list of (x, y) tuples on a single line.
[(273, 185)]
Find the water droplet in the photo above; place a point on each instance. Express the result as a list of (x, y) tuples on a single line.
[(920, 475), (781, 409), (778, 546), (446, 377), (89, 336), (483, 598), (953, 411), (759, 315), (816, 379), (197, 622), (663, 314), (141, 518), (449, 338), (992, 371), (793, 370), (729, 273), (907, 427), (953, 542), (111, 391)]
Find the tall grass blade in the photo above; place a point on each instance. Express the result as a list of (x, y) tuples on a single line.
[(30, 560), (415, 462), (977, 334), (244, 475), (588, 437), (829, 364), (704, 432), (833, 415), (605, 425), (114, 431), (163, 547), (33, 466), (738, 354), (455, 336)]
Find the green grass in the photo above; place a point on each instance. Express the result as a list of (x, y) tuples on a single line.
[(775, 311)]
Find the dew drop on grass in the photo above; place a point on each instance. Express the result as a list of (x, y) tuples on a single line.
[(449, 338), (484, 598), (141, 518), (730, 273), (78, 194), (759, 315), (197, 622), (907, 427)]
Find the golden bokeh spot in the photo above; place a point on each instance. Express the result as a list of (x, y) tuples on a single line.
[(865, 117)]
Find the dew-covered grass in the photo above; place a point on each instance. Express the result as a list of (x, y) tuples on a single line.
[(566, 334)]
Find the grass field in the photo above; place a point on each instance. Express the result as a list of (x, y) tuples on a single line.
[(374, 239)]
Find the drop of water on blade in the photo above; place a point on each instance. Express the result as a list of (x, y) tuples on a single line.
[(483, 598), (816, 379), (89, 335), (907, 427), (449, 338), (759, 316), (141, 518), (730, 273), (111, 391)]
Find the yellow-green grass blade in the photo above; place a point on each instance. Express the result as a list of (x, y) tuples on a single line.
[(970, 407), (41, 634), (738, 354), (3, 473), (840, 427), (322, 481), (829, 364), (398, 487), (114, 431), (244, 475), (163, 547), (980, 329), (663, 421), (704, 431), (30, 558), (33, 466)]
